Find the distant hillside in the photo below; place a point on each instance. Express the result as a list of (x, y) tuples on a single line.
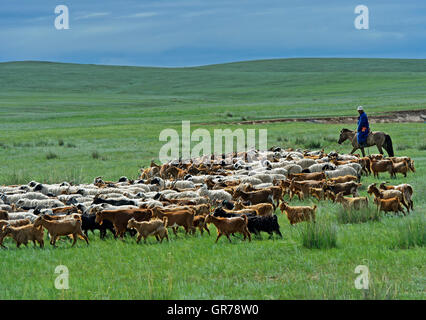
[(252, 89)]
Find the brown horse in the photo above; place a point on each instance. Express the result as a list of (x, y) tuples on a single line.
[(378, 138)]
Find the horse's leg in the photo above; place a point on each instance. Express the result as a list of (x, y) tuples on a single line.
[(379, 147), (354, 149), (363, 153)]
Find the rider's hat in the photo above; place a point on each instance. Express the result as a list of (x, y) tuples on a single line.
[(360, 108)]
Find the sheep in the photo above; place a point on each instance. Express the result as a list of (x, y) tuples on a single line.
[(22, 215), (293, 168), (61, 228), (13, 198), (305, 163), (154, 227), (25, 233), (319, 167), (27, 204), (342, 171), (297, 214), (227, 226), (352, 203), (214, 195)]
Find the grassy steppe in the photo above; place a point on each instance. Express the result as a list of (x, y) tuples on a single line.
[(100, 120)]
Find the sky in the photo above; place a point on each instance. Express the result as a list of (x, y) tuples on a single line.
[(178, 33)]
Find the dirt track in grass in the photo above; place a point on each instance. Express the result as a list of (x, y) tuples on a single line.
[(405, 116)]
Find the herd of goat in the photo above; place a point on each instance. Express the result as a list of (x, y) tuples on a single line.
[(237, 192)]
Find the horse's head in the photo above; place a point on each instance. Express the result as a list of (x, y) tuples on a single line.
[(343, 135)]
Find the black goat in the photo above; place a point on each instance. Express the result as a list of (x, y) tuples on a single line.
[(88, 223), (267, 224)]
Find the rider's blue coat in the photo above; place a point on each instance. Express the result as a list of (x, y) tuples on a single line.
[(363, 128)]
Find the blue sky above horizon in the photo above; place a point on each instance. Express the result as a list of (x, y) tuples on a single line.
[(200, 32)]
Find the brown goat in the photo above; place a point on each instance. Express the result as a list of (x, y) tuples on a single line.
[(387, 194), (4, 215), (389, 205), (200, 223), (261, 209), (255, 197), (352, 203), (13, 223), (154, 227), (176, 218), (120, 217), (401, 167), (307, 176), (382, 166), (343, 179), (62, 227), (297, 214), (227, 226), (25, 233)]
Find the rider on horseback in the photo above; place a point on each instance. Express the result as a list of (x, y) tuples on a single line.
[(363, 127)]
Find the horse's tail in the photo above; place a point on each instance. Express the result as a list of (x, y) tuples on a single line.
[(388, 145)]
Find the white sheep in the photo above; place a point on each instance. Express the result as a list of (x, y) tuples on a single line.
[(22, 215), (305, 163), (293, 168), (214, 195)]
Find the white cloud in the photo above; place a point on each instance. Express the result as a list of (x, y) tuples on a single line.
[(141, 15), (93, 15)]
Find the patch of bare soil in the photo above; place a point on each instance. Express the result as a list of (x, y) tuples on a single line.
[(390, 117)]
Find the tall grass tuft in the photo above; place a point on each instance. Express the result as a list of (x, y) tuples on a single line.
[(51, 155), (319, 235), (357, 216), (313, 145), (421, 147), (412, 232)]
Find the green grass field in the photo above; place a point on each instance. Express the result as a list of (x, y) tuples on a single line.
[(76, 122)]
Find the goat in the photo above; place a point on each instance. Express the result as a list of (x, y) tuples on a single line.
[(25, 233), (347, 188), (176, 218), (382, 166), (154, 227), (12, 223), (405, 188), (120, 217), (267, 224), (227, 226), (61, 228), (387, 205), (200, 223), (297, 214), (387, 194), (352, 203)]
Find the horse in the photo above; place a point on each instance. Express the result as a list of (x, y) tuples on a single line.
[(378, 138)]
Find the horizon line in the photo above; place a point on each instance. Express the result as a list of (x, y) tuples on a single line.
[(205, 65)]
